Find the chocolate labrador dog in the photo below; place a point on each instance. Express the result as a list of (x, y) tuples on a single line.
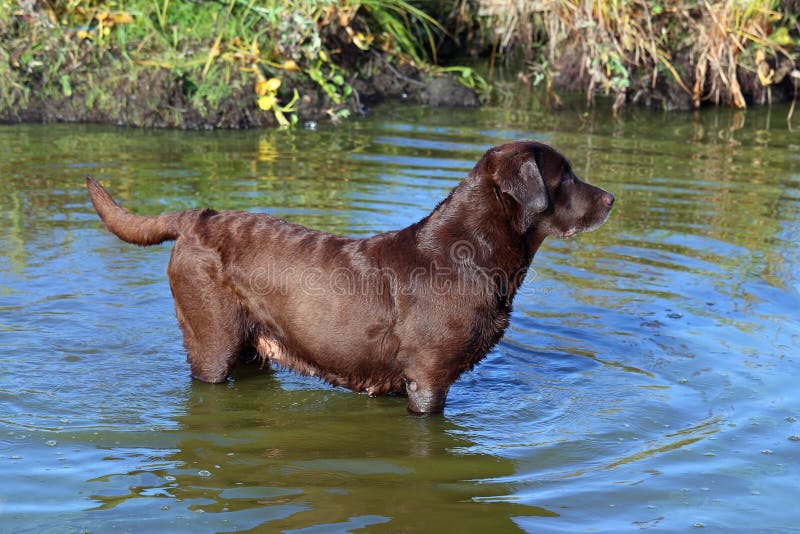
[(406, 311)]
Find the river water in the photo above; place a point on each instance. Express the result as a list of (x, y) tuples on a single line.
[(648, 378)]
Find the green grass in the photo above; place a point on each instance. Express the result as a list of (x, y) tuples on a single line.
[(214, 47)]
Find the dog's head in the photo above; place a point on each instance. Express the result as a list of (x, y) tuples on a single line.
[(536, 184)]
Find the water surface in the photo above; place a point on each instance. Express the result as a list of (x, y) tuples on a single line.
[(648, 379)]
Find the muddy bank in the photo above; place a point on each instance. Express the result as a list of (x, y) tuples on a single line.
[(210, 65), (205, 65), (157, 97)]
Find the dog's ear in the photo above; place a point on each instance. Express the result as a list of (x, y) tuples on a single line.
[(535, 194), (521, 181), (514, 171), (516, 175)]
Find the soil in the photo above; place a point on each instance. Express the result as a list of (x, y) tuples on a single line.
[(157, 97)]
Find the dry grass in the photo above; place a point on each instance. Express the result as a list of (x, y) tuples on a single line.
[(622, 41), (733, 34)]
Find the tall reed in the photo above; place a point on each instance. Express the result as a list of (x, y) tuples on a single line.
[(703, 47)]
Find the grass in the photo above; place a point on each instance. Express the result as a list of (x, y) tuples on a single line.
[(703, 48), (281, 51), (277, 59)]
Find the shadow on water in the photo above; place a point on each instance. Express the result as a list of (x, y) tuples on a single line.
[(254, 453)]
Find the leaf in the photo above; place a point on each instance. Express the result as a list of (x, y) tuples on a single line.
[(122, 18), (281, 118), (363, 41), (316, 75), (781, 36), (289, 108), (330, 89), (290, 64), (66, 87)]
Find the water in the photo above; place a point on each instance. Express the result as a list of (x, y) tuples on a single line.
[(648, 379)]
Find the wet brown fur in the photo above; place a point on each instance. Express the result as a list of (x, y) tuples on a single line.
[(405, 311)]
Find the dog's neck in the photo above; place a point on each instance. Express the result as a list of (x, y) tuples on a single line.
[(476, 222), (534, 238)]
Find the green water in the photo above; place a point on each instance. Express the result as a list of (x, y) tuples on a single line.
[(648, 379)]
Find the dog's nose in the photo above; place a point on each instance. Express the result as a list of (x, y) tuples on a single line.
[(608, 199)]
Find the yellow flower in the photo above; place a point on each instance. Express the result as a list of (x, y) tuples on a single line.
[(273, 84), (267, 102), (261, 87), (270, 86)]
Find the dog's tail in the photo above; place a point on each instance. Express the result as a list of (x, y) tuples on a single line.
[(134, 228)]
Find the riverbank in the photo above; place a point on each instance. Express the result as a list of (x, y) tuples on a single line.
[(218, 65), (671, 55), (231, 64)]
